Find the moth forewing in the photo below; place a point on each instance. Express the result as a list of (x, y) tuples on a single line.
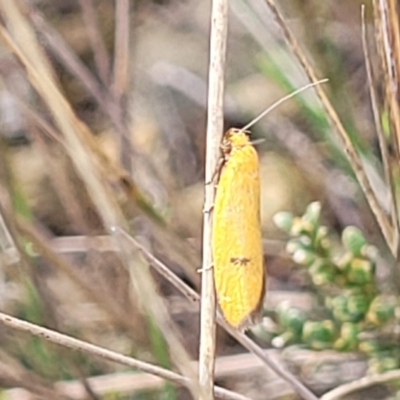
[(239, 272), (236, 236)]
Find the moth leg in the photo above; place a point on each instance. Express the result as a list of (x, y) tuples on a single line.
[(216, 172), (201, 270), (208, 210)]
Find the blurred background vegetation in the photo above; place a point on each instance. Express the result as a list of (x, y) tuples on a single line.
[(138, 81)]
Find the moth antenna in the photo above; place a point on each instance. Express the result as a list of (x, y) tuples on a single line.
[(257, 141), (280, 101)]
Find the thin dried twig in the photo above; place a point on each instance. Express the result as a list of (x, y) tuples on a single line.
[(105, 243), (129, 382), (121, 77), (91, 349), (353, 156), (106, 100), (14, 375), (88, 348), (8, 250), (40, 244), (145, 289), (99, 49), (363, 383), (215, 124), (121, 56), (55, 42), (154, 306), (387, 26), (239, 336), (61, 183), (64, 53), (379, 131), (25, 45)]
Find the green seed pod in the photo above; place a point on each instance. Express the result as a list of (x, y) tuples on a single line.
[(368, 347), (379, 364), (299, 227), (357, 306), (295, 322), (348, 339), (290, 319), (30, 249), (319, 335), (338, 305), (303, 257), (282, 312), (353, 240), (350, 307), (381, 310), (361, 271), (299, 243), (322, 272), (312, 214), (305, 241), (282, 340), (292, 246), (323, 278), (321, 238), (344, 261), (284, 220), (389, 364)]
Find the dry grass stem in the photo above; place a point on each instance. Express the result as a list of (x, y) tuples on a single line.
[(387, 33), (99, 49), (154, 305), (379, 132), (120, 81), (12, 374), (86, 192), (56, 43), (353, 157), (215, 123), (116, 110), (93, 350), (24, 44), (388, 27), (121, 57), (145, 290), (246, 342), (363, 383), (129, 382), (8, 250), (88, 348), (40, 244)]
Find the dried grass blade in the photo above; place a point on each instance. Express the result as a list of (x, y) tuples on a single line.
[(353, 156), (381, 139)]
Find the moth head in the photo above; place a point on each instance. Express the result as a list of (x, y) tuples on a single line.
[(233, 140)]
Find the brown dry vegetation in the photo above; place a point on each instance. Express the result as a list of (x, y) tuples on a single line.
[(138, 111)]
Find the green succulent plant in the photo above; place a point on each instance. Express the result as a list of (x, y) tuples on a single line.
[(344, 284)]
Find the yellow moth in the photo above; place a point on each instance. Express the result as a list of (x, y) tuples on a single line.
[(236, 235), (238, 261)]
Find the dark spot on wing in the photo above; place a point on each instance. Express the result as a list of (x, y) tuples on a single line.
[(240, 260)]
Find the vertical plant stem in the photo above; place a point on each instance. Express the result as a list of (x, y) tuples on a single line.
[(99, 49), (380, 135), (191, 295), (219, 28), (21, 39), (350, 150), (121, 77)]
